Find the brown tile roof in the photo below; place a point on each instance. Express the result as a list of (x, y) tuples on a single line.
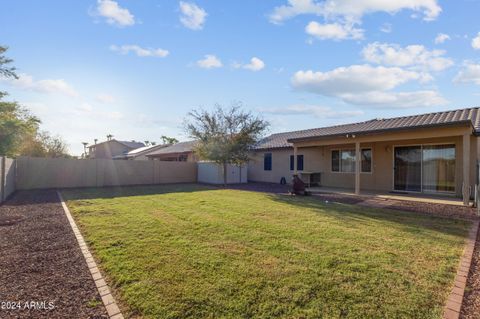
[(465, 116)]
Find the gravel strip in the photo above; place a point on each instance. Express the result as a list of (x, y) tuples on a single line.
[(42, 269), (471, 299)]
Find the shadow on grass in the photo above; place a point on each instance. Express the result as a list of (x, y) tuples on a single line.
[(347, 212), (32, 197), (39, 196), (135, 190), (350, 213)]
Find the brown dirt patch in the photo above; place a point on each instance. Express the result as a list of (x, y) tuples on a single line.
[(471, 299), (41, 262)]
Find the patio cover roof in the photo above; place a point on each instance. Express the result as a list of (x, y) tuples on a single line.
[(469, 116), (182, 147)]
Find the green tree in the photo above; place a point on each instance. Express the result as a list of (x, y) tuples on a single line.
[(16, 122), (6, 70), (168, 140), (42, 144), (19, 129), (225, 135), (54, 146)]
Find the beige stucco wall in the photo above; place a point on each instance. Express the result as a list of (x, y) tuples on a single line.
[(381, 177), (37, 173), (7, 177), (318, 159), (281, 164), (10, 169)]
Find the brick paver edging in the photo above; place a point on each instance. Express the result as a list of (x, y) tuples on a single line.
[(454, 301), (103, 289)]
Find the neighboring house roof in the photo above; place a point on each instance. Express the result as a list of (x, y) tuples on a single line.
[(278, 140), (182, 147), (132, 144), (140, 151), (469, 116)]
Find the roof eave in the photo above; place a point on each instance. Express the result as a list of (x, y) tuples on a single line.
[(172, 153), (456, 123)]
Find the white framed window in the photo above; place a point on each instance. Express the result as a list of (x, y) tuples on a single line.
[(344, 160)]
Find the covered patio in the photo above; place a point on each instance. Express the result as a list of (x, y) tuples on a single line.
[(425, 164), (379, 196)]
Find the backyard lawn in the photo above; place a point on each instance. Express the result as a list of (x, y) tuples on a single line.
[(189, 251)]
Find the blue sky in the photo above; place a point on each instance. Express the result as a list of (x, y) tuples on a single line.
[(135, 68)]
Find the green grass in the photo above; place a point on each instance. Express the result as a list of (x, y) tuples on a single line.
[(194, 252)]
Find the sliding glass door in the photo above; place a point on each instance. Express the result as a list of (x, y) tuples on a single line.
[(428, 168), (408, 168), (438, 168)]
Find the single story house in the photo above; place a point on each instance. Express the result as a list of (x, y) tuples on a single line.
[(179, 152), (435, 153), (141, 152), (112, 148)]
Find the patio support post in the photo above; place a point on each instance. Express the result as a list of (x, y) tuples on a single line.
[(466, 169), (295, 172), (357, 168)]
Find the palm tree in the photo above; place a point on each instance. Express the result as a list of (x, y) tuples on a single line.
[(109, 137), (95, 141), (85, 149), (147, 143)]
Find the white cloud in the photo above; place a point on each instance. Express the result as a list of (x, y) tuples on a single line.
[(476, 42), (88, 110), (294, 8), (470, 73), (341, 16), (209, 62), (415, 56), (114, 14), (367, 85), (105, 98), (318, 111), (352, 79), (441, 37), (139, 51), (424, 98), (334, 31), (353, 10), (27, 82), (193, 17), (255, 65)]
